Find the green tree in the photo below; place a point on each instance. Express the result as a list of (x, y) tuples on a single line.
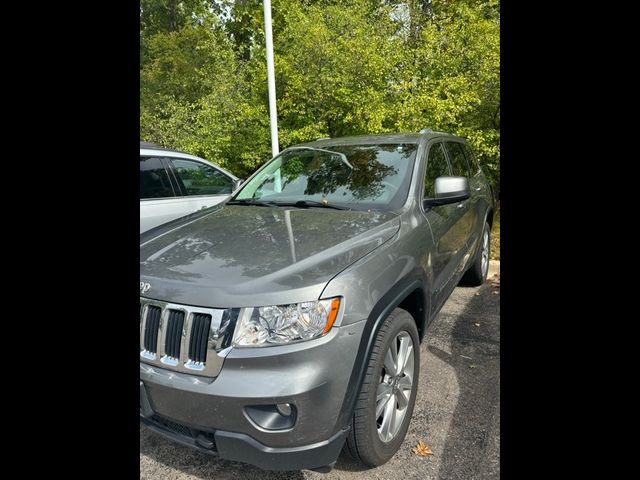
[(167, 16), (335, 68), (453, 84), (342, 68)]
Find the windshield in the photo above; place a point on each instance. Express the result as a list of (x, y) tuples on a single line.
[(352, 176)]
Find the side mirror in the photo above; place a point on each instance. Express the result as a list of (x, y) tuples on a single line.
[(449, 190)]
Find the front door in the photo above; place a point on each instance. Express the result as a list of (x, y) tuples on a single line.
[(446, 237), (202, 185)]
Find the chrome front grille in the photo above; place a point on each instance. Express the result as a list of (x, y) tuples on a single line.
[(183, 338)]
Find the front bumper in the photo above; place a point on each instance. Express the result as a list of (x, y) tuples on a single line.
[(239, 447), (215, 415)]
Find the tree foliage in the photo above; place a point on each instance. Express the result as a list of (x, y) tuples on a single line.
[(342, 68)]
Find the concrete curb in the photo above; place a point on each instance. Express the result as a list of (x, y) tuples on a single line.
[(494, 267)]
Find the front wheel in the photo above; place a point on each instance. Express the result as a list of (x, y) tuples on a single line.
[(385, 404)]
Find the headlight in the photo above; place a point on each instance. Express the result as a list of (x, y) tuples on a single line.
[(284, 324)]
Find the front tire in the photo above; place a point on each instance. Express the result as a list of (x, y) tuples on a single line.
[(385, 404)]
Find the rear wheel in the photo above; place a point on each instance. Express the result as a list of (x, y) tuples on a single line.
[(385, 404), (477, 273)]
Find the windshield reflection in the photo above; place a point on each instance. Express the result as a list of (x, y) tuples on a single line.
[(355, 175)]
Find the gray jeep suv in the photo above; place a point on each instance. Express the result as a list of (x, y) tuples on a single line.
[(285, 324)]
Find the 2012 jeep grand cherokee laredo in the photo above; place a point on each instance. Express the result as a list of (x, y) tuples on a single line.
[(285, 324)]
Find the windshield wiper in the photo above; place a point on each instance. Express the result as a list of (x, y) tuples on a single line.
[(275, 203), (315, 203), (251, 201)]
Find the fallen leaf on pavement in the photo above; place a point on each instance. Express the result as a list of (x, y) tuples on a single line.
[(477, 324), (495, 292), (473, 366), (422, 450), (477, 294)]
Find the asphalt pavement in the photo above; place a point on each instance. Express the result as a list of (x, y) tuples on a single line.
[(457, 410)]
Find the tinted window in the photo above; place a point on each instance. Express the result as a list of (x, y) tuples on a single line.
[(201, 179), (473, 161), (154, 180), (437, 166), (459, 164)]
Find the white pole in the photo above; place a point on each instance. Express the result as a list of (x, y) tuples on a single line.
[(271, 79)]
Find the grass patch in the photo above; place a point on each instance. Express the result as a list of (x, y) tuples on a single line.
[(495, 236)]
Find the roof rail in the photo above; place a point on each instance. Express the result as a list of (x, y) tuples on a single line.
[(148, 145), (424, 131)]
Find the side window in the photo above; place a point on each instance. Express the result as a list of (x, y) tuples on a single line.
[(459, 164), (201, 179), (437, 166), (154, 180), (473, 161)]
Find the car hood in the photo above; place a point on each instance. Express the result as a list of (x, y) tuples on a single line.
[(238, 256)]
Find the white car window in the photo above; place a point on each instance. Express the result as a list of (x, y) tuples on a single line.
[(154, 180), (200, 179)]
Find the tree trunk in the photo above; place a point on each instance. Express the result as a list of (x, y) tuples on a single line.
[(171, 15)]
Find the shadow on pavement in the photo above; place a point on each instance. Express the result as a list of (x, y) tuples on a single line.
[(200, 465), (471, 447), (209, 467)]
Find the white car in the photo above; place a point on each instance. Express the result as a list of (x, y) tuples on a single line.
[(174, 184)]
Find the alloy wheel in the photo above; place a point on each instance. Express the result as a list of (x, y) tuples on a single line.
[(395, 387), (485, 253)]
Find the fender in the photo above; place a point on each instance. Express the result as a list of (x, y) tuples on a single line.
[(394, 297)]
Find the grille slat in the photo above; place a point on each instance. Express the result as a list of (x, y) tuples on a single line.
[(151, 332), (199, 337), (175, 325)]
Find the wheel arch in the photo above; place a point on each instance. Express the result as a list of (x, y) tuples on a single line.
[(489, 217), (410, 294)]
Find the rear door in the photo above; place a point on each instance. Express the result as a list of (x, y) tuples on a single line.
[(467, 216), (201, 184), (159, 198), (480, 196)]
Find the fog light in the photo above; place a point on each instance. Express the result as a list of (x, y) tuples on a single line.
[(284, 409), (281, 416)]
